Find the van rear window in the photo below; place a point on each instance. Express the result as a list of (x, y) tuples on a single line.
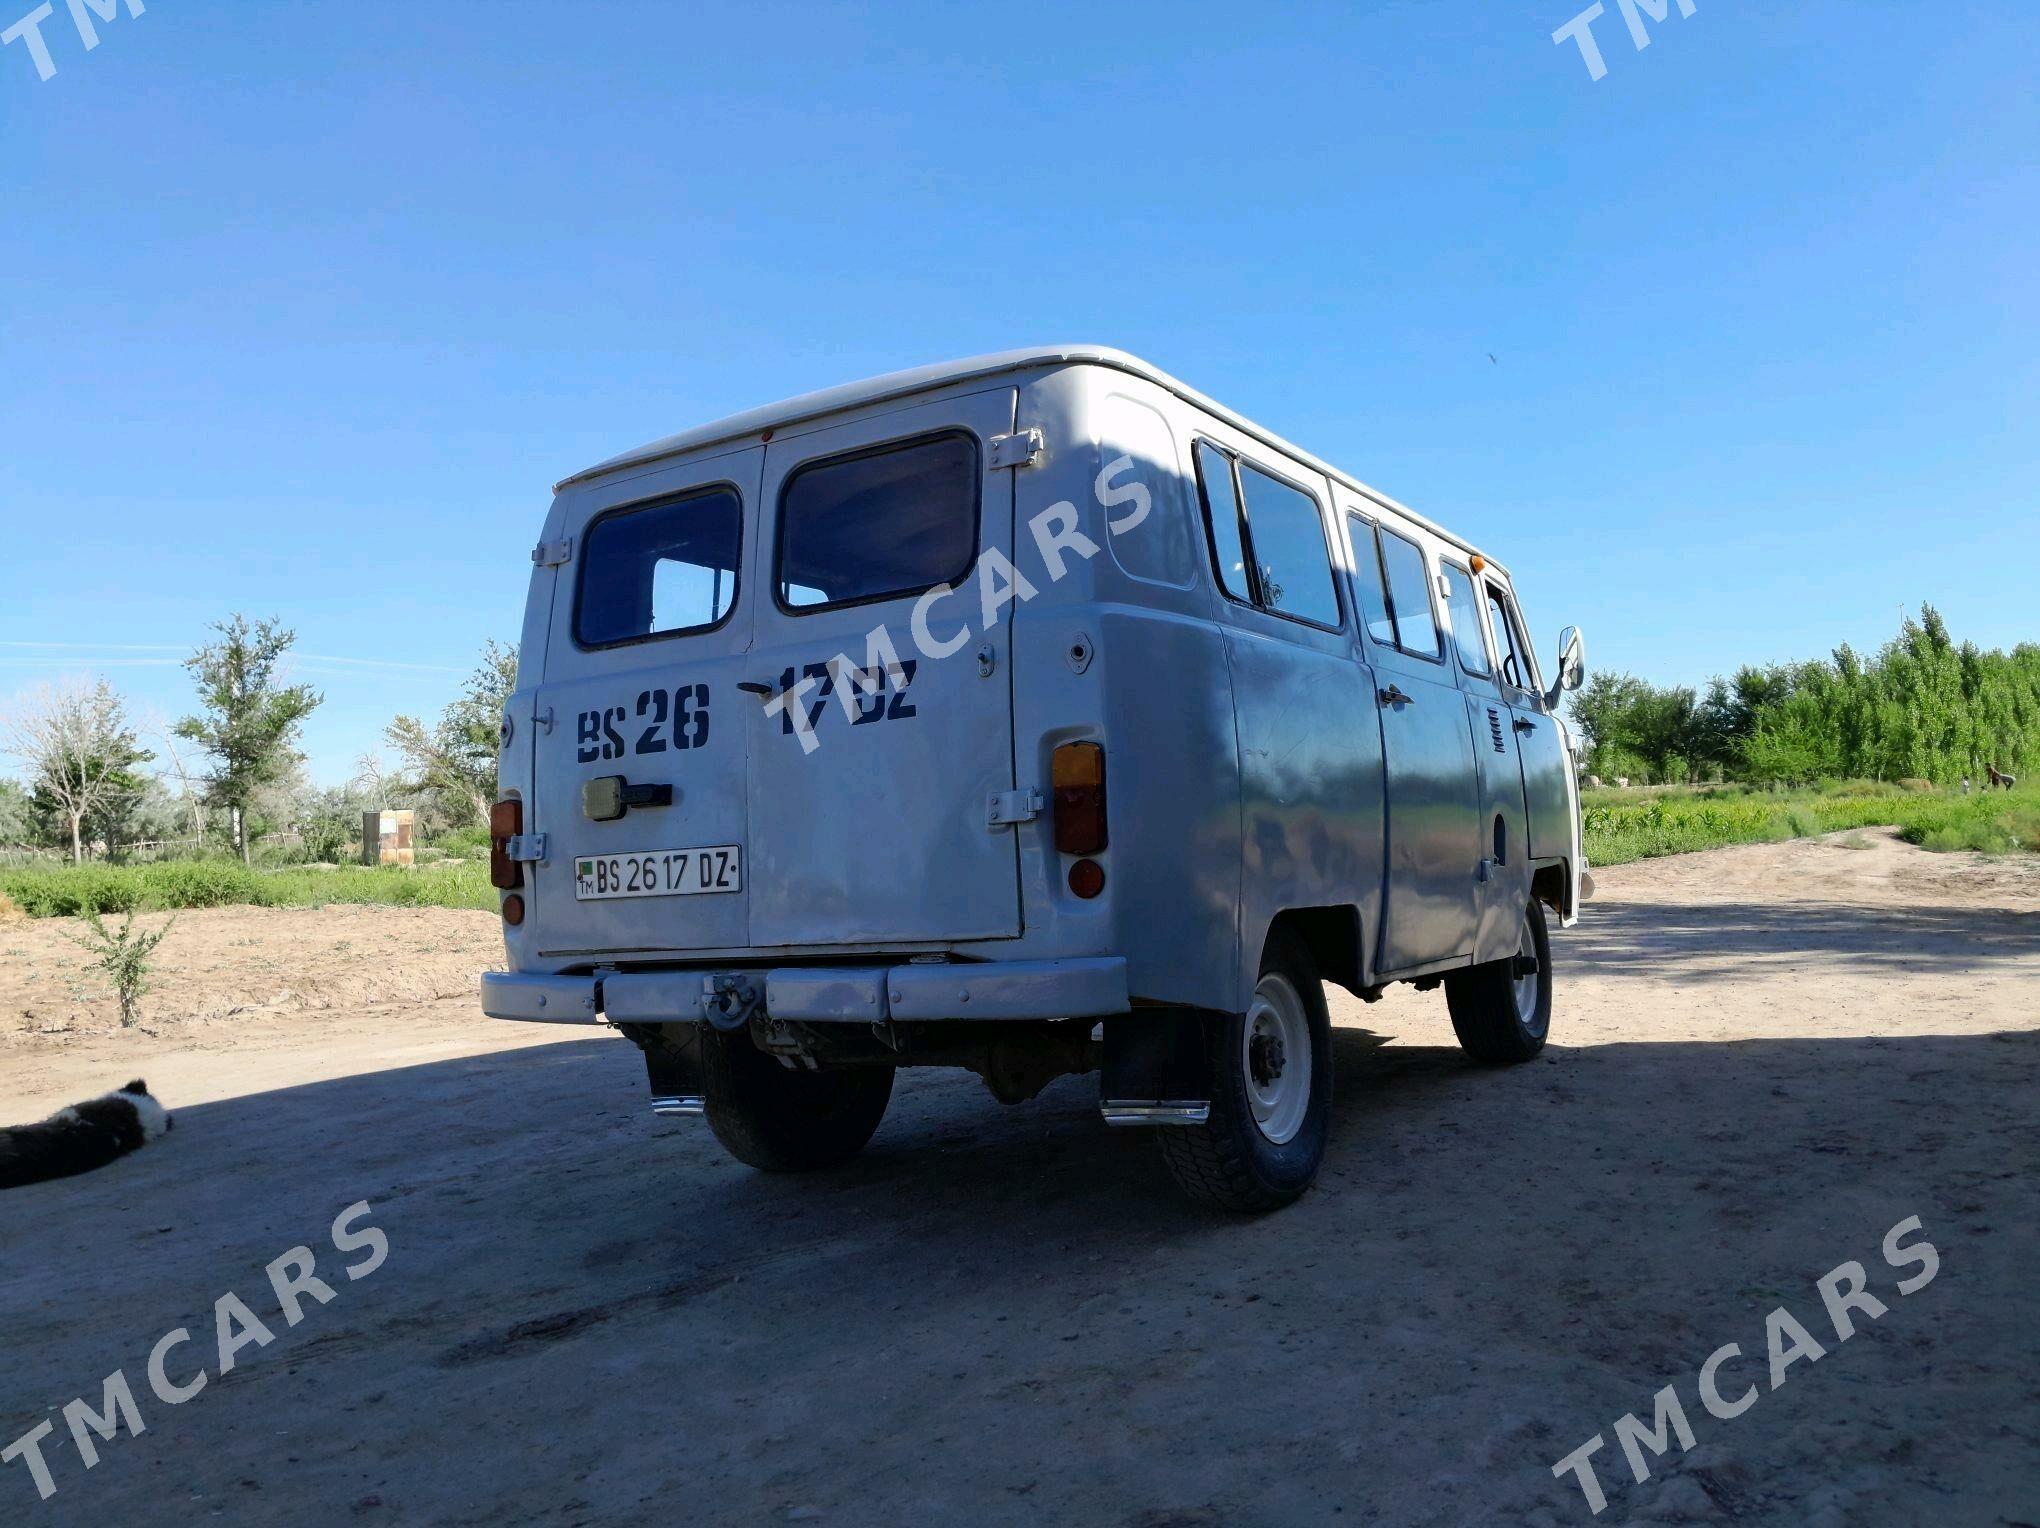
[(879, 524), (658, 570)]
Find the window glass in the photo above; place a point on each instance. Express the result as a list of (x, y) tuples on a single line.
[(889, 522), (1214, 476), (1409, 595), (660, 569), (1463, 606), (1288, 534), (1367, 579), (1162, 546), (1505, 638)]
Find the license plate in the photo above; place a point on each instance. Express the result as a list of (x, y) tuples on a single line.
[(659, 873)]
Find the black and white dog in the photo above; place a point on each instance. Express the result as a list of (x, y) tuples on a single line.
[(82, 1137)]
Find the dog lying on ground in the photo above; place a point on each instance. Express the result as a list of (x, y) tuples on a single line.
[(82, 1137)]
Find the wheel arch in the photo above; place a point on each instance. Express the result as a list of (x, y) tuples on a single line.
[(1551, 883), (1334, 936)]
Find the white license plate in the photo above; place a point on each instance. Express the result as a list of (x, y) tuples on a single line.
[(659, 873)]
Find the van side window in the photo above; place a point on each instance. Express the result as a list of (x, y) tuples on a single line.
[(879, 524), (1287, 533), (1409, 596), (660, 570), (1163, 547), (1222, 510), (1464, 607), (1367, 579), (1513, 669)]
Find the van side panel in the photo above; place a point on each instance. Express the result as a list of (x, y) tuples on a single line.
[(1310, 786), (1154, 689)]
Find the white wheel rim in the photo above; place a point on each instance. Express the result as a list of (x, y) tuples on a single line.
[(1275, 1058), (1526, 986)]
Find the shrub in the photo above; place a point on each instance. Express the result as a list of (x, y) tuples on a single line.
[(124, 957), (202, 883), (465, 843), (73, 890)]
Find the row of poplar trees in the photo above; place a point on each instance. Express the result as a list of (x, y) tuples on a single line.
[(1924, 708)]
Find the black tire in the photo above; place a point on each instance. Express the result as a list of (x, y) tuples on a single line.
[(1229, 1162), (779, 1120), (1486, 1015)]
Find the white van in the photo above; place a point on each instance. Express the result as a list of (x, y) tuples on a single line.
[(1033, 714)]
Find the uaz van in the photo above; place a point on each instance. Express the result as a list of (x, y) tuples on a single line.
[(1033, 714)]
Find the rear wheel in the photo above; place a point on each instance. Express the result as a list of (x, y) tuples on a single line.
[(779, 1120), (1271, 1092), (1501, 1010)]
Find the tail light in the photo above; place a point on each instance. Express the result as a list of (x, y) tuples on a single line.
[(1078, 775), (506, 821)]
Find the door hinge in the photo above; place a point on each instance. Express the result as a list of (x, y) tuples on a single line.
[(1023, 448), (550, 554), (1008, 807), (526, 848)]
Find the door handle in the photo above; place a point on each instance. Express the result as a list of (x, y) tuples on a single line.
[(1393, 696), (1524, 724), (755, 687)]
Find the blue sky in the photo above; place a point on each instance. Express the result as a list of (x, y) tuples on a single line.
[(307, 304)]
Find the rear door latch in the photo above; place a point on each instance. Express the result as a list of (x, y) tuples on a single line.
[(1008, 807)]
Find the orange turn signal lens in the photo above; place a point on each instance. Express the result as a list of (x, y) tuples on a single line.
[(1077, 774)]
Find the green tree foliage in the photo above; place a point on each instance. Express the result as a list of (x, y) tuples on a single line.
[(251, 718), (1924, 708), (455, 761), (14, 825)]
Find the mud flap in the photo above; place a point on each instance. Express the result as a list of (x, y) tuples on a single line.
[(673, 1065), (1155, 1071)]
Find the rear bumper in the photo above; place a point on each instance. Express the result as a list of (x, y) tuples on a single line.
[(1008, 989), (544, 999)]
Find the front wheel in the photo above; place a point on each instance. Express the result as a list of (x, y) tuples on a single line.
[(779, 1120), (1271, 1092), (1501, 1010)]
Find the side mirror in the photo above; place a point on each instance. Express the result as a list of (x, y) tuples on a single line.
[(1572, 664)]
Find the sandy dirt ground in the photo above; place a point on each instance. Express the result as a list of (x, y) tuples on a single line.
[(1763, 1058)]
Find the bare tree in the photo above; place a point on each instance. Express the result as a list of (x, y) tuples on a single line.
[(74, 740), (193, 802), (371, 780)]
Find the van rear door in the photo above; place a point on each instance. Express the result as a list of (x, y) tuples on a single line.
[(875, 748), (638, 753)]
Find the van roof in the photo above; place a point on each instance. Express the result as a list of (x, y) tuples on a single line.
[(920, 379)]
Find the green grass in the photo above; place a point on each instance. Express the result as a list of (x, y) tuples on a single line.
[(1620, 826), (1631, 825), (68, 891)]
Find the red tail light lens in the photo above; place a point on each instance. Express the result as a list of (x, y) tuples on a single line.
[(506, 821), (1078, 776)]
